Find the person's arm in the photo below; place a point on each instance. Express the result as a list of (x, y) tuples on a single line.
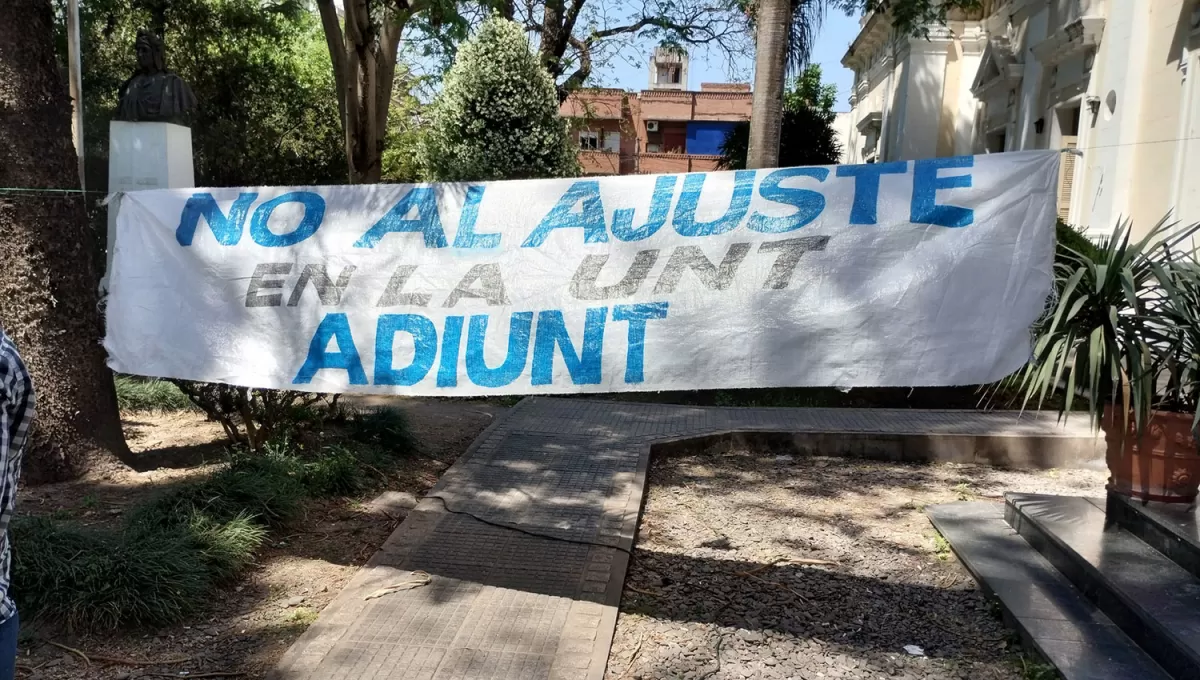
[(8, 380), (16, 414)]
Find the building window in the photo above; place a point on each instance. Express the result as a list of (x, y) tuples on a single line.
[(612, 141), (589, 140), (996, 141), (668, 74), (1068, 131)]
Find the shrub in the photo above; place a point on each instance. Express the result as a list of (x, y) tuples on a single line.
[(1071, 239), (264, 488), (336, 472), (386, 427), (497, 114), (149, 394), (94, 579), (249, 416), (225, 547)]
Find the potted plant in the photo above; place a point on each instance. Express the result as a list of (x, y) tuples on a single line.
[(1117, 332), (1173, 327)]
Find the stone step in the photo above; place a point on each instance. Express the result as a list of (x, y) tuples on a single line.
[(1051, 617), (1155, 601), (1172, 529)]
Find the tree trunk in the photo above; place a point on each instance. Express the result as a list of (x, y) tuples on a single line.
[(363, 55), (770, 64), (48, 272)]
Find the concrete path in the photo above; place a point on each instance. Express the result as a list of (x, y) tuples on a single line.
[(527, 537)]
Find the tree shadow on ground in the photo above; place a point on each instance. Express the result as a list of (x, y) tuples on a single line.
[(868, 616), (757, 609), (179, 457)]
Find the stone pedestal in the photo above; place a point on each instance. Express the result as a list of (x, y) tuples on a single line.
[(145, 156)]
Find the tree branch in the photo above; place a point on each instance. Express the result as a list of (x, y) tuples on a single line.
[(610, 32), (686, 30), (572, 16), (580, 76)]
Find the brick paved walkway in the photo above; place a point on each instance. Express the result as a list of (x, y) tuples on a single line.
[(539, 600)]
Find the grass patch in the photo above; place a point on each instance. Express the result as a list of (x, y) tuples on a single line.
[(149, 394), (964, 492), (1033, 669), (163, 563), (155, 570), (93, 580), (303, 616), (941, 547), (226, 548), (335, 473), (261, 488)]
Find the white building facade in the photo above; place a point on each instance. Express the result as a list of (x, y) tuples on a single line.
[(1106, 79)]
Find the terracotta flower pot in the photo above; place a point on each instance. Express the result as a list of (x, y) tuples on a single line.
[(1162, 465)]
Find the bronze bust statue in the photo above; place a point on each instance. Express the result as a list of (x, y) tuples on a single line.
[(153, 93)]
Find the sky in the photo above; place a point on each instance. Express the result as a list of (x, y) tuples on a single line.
[(837, 31)]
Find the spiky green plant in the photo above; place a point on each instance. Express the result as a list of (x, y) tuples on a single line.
[(1105, 334), (1176, 334)]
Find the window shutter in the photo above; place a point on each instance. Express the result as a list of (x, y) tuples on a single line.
[(1066, 178)]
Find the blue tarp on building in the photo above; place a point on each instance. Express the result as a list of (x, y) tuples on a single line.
[(706, 136)]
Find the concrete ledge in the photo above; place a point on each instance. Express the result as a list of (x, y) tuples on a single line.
[(1014, 451)]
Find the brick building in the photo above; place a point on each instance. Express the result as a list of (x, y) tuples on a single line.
[(663, 129)]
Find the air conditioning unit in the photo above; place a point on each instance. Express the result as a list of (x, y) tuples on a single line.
[(652, 126)]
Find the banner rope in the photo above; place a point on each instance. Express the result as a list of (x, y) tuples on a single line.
[(35, 190)]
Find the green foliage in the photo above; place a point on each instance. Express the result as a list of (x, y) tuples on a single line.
[(497, 114), (328, 471), (262, 74), (1176, 333), (226, 548), (336, 472), (265, 487), (302, 616), (1071, 241), (162, 564), (912, 17), (172, 549), (941, 547), (1035, 669), (96, 580), (807, 136), (809, 92), (386, 427), (406, 129), (149, 394), (269, 411), (1107, 333)]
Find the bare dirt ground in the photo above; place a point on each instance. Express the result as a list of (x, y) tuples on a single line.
[(753, 565), (248, 626)]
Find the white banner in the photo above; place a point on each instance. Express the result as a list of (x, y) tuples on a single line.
[(915, 273)]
